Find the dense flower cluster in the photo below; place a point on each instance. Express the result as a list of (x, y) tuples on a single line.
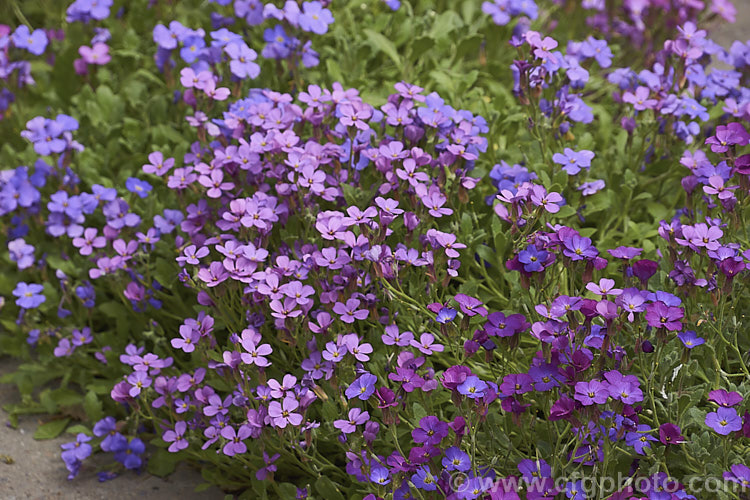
[(317, 288)]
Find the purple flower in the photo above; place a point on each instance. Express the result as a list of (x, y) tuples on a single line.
[(445, 315), (573, 161), (137, 186), (670, 434), (130, 455), (29, 295), (363, 387), (533, 259), (455, 459), (431, 431), (424, 480), (724, 420), (640, 439), (578, 248), (724, 398), (392, 336), (739, 474)]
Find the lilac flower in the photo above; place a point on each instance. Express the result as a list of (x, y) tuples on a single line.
[(235, 444), (473, 387), (605, 287), (176, 437), (541, 198), (255, 355), (639, 99), (139, 187), (426, 344), (34, 42), (88, 241), (724, 420), (157, 164), (138, 380), (392, 336), (590, 393), (282, 414), (187, 340), (356, 417), (29, 295), (573, 161), (21, 253), (242, 57), (315, 18), (363, 387), (349, 311)]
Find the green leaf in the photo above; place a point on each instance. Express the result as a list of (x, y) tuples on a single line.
[(92, 406), (51, 430), (383, 44), (327, 489), (162, 463)]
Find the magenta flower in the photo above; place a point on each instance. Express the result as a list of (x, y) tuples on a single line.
[(659, 315), (470, 306), (98, 54)]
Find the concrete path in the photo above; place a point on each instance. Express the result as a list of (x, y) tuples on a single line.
[(38, 473)]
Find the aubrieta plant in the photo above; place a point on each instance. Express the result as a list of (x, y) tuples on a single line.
[(382, 250)]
